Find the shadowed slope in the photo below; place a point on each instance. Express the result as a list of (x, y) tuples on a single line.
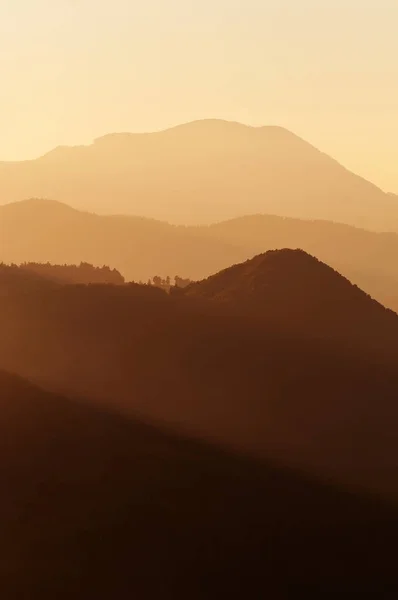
[(296, 292), (96, 506), (326, 405)]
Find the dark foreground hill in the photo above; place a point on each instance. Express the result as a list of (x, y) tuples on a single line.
[(203, 172), (323, 398), (366, 258), (45, 231), (94, 505), (293, 291)]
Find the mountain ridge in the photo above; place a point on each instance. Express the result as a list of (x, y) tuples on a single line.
[(201, 172), (140, 248)]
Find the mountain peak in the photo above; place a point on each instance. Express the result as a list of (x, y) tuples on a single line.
[(201, 172), (282, 267), (295, 291), (202, 127)]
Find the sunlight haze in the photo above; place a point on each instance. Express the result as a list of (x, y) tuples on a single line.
[(72, 70)]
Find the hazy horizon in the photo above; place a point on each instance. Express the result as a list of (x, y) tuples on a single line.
[(69, 78)]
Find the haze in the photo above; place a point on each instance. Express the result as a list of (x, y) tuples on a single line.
[(72, 70)]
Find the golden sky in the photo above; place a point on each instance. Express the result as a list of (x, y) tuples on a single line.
[(72, 70)]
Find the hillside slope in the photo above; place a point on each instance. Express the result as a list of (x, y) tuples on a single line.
[(97, 506), (294, 291), (317, 398)]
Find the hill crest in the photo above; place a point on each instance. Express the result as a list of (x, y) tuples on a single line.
[(295, 291)]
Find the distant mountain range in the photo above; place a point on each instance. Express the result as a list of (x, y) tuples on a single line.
[(298, 368), (202, 172), (47, 231)]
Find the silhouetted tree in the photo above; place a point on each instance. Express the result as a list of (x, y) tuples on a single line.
[(181, 282), (157, 281)]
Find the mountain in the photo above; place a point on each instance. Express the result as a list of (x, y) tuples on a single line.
[(367, 258), (320, 398), (202, 172), (294, 291), (95, 505), (45, 231)]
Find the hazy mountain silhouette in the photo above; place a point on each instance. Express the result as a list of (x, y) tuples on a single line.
[(94, 505), (202, 172), (139, 248), (321, 397)]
